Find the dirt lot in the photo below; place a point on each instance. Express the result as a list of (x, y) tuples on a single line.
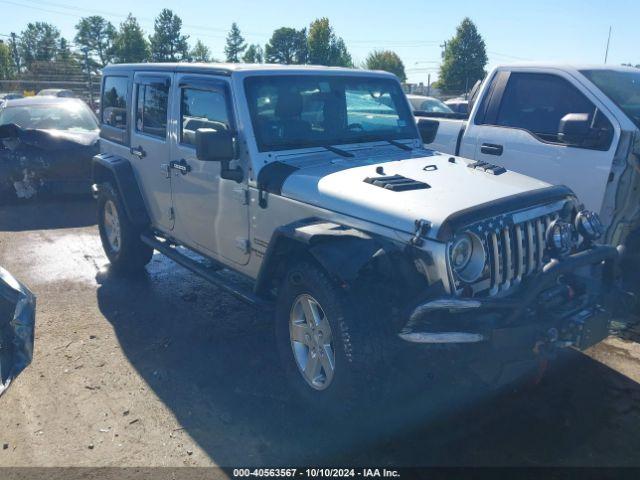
[(166, 370)]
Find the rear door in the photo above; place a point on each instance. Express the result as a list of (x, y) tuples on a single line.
[(520, 132), (212, 213), (149, 152)]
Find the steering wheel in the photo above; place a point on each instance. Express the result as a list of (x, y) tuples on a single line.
[(356, 126)]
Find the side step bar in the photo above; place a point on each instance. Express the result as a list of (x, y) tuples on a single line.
[(208, 273)]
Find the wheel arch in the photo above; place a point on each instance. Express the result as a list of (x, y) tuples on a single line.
[(342, 252), (118, 171)]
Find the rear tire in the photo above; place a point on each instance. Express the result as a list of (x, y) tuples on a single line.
[(120, 238), (345, 344)]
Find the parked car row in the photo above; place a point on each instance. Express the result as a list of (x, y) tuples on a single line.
[(327, 200)]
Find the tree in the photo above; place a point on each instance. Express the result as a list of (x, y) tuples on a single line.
[(388, 61), (7, 67), (167, 42), (97, 35), (200, 53), (463, 60), (130, 45), (325, 48), (66, 61), (253, 54), (235, 44), (38, 43), (287, 45)]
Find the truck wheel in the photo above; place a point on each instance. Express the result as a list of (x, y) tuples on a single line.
[(120, 238), (331, 354)]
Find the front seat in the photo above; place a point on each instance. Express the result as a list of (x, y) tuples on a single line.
[(289, 112)]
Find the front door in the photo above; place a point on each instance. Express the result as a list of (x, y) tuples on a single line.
[(212, 213), (523, 136), (149, 152)]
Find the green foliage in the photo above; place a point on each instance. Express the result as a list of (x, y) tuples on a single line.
[(130, 44), (388, 61), (97, 35), (464, 59), (325, 48), (7, 67), (66, 61), (288, 46), (38, 43), (235, 44), (254, 54), (200, 53), (167, 42)]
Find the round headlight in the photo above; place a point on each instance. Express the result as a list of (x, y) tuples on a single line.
[(589, 225), (560, 237), (467, 257)]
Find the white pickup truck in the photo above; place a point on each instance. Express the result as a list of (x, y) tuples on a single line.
[(576, 126)]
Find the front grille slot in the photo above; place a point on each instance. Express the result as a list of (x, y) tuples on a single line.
[(516, 251)]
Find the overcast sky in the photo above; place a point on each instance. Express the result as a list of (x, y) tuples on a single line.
[(556, 30)]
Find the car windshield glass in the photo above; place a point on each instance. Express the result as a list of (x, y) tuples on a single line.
[(622, 87), (69, 116), (306, 111), (434, 105)]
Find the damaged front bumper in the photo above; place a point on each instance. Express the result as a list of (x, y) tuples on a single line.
[(553, 307), (17, 323)]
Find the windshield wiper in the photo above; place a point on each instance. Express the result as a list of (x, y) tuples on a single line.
[(339, 151), (401, 146)]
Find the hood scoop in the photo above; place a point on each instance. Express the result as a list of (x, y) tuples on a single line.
[(396, 183)]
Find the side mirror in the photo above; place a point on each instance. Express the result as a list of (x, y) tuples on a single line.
[(214, 145), (428, 129), (574, 128)]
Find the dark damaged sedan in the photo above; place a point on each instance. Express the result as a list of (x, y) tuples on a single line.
[(47, 144)]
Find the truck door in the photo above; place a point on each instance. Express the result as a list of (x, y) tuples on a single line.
[(212, 213), (520, 131), (149, 152)]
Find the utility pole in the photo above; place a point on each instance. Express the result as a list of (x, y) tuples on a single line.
[(606, 52), (443, 46), (85, 50), (14, 51), (428, 85)]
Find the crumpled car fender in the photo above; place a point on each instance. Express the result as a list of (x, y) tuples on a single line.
[(17, 324)]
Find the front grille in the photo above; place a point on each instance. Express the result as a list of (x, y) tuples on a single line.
[(515, 246), (516, 251)]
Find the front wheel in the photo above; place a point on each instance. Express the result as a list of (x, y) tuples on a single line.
[(330, 350), (120, 238)]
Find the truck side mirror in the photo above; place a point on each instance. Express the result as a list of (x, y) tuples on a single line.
[(574, 128), (428, 129), (214, 145)]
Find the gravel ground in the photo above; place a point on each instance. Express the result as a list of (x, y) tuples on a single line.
[(166, 370)]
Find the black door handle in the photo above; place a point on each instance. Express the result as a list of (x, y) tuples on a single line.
[(491, 149), (181, 165), (138, 151)]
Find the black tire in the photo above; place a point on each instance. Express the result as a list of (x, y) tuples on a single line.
[(132, 254), (358, 342)]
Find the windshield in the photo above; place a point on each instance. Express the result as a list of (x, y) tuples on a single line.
[(431, 105), (73, 116), (305, 111), (622, 87)]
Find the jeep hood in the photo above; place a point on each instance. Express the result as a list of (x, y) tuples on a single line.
[(340, 185)]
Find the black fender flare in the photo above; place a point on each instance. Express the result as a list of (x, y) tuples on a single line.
[(108, 167), (340, 250)]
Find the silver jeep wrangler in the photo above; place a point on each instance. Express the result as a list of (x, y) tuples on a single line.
[(308, 191)]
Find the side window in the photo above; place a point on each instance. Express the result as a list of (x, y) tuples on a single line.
[(151, 109), (537, 103), (114, 102), (201, 109)]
